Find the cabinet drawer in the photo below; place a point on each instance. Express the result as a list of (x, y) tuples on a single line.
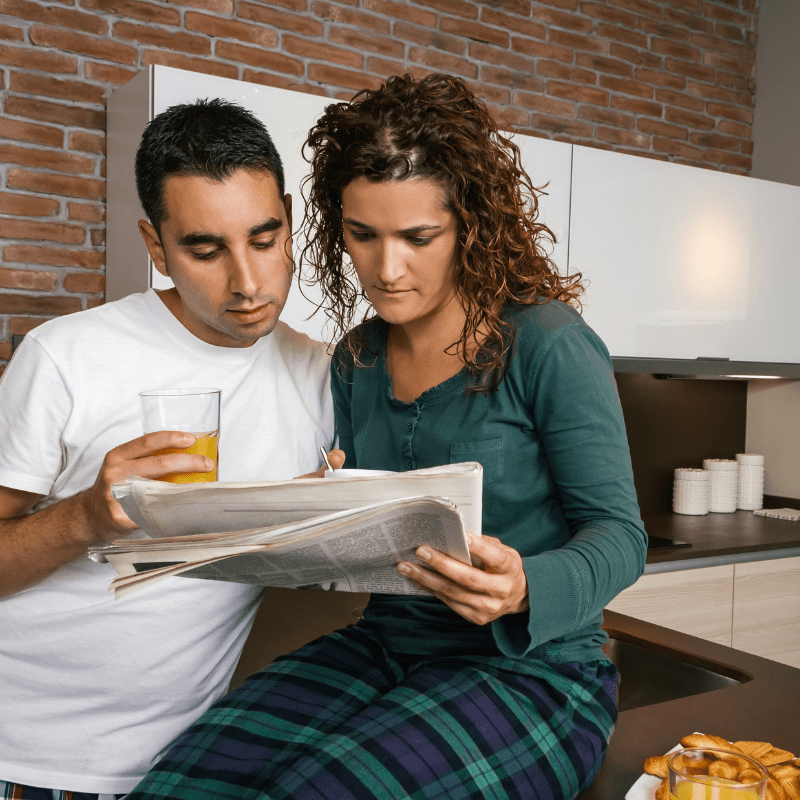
[(766, 609), (694, 601)]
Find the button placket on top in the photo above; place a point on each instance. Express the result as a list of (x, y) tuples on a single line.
[(415, 410)]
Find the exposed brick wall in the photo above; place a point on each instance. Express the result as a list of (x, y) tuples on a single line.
[(672, 80)]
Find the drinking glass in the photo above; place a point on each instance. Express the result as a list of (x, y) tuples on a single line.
[(195, 411), (713, 774)]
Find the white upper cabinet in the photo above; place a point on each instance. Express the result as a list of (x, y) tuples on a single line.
[(288, 116), (683, 262), (549, 165)]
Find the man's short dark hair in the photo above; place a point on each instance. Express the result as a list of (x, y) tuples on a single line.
[(213, 138)]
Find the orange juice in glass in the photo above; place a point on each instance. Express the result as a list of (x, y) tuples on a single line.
[(712, 774), (195, 411)]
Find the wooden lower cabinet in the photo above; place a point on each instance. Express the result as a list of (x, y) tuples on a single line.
[(753, 606), (766, 609), (694, 601)]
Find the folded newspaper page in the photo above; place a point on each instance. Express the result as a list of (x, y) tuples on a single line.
[(175, 509), (345, 535), (353, 550)]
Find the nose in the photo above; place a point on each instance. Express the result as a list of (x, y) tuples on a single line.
[(390, 265), (244, 274)]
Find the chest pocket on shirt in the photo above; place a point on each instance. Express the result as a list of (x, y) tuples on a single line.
[(488, 453)]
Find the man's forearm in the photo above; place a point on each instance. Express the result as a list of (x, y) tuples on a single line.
[(34, 546)]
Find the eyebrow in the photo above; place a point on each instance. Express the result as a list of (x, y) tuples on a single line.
[(195, 238), (416, 229)]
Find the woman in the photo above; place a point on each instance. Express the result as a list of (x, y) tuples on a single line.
[(495, 684)]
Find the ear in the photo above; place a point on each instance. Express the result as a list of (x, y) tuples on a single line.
[(287, 204), (152, 242)]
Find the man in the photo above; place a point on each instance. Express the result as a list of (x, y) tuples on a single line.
[(93, 689)]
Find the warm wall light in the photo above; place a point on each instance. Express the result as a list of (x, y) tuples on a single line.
[(714, 275)]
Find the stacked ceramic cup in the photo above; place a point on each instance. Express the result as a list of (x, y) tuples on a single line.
[(691, 492), (724, 484), (750, 496)]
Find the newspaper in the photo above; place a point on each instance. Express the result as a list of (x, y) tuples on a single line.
[(174, 509), (345, 535)]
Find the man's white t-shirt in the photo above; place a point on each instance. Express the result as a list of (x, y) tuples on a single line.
[(93, 689)]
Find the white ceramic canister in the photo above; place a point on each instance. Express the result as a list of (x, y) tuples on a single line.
[(691, 492), (724, 478), (750, 493)]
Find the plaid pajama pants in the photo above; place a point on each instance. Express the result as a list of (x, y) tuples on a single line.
[(343, 719)]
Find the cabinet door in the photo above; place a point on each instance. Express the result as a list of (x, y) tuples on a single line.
[(684, 262), (766, 609), (694, 601), (549, 165)]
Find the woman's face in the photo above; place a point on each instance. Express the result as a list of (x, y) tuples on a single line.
[(402, 238)]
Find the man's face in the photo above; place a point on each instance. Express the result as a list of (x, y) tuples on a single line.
[(226, 245)]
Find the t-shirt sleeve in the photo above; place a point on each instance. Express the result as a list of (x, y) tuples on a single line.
[(35, 406), (576, 411)]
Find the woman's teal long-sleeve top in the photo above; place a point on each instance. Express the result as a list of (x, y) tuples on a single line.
[(558, 485)]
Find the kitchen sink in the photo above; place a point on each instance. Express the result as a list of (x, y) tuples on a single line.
[(651, 675)]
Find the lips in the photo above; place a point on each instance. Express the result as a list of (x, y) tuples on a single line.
[(249, 314)]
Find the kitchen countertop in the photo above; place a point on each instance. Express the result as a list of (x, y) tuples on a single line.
[(766, 708), (720, 539)]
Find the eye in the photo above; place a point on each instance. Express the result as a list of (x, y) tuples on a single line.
[(419, 241), (204, 255), (264, 244), (360, 236)]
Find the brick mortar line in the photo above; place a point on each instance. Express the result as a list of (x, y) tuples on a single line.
[(83, 294), (28, 145), (58, 220), (51, 245), (48, 123)]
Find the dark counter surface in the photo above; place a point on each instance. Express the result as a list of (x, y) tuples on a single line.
[(741, 533), (766, 708)]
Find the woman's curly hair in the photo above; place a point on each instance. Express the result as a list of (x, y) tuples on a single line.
[(435, 127)]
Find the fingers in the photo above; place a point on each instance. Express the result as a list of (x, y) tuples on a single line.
[(479, 594), (466, 575), (450, 577), (166, 464), (102, 516), (120, 521), (477, 607), (494, 557), (489, 557), (150, 443), (320, 473), (150, 456), (153, 455), (336, 457)]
